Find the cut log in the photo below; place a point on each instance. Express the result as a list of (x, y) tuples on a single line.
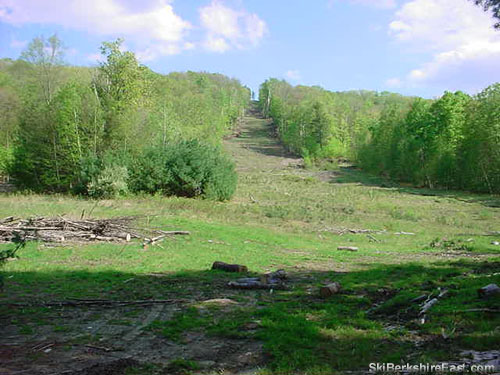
[(229, 267), (271, 277), (348, 248), (488, 291), (330, 289)]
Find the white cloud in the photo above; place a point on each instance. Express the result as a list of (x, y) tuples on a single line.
[(228, 28), (458, 35), (156, 27), (293, 75), (384, 4)]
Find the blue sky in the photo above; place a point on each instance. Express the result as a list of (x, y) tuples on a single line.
[(417, 47)]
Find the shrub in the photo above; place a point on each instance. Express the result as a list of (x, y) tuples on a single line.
[(5, 160), (104, 177), (186, 169), (197, 169), (147, 172), (110, 183)]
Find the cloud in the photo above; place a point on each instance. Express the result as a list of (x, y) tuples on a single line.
[(463, 46), (227, 28), (155, 26), (293, 75), (383, 4)]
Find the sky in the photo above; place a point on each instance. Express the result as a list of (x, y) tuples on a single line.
[(414, 47)]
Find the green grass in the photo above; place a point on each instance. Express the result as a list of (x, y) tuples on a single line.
[(282, 216)]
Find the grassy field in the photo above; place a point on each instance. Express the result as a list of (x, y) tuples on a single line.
[(283, 216)]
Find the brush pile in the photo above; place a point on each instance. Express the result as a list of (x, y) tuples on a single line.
[(61, 229)]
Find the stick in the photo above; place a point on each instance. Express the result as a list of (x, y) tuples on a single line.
[(174, 232), (10, 229), (476, 310), (96, 303), (349, 248)]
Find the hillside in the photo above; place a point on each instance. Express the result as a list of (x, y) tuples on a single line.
[(412, 243)]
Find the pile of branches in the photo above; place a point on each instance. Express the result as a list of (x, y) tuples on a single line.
[(61, 229)]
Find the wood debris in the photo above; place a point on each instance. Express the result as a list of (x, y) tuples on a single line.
[(348, 248), (229, 267), (342, 231), (95, 302), (330, 289), (62, 229), (273, 280), (429, 303)]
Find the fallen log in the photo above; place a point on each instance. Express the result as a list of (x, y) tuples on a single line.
[(330, 289), (348, 248), (229, 267), (488, 291)]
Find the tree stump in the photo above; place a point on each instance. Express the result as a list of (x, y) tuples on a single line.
[(330, 289)]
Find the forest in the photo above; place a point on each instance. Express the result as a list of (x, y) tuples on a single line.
[(102, 131), (450, 142), (80, 130)]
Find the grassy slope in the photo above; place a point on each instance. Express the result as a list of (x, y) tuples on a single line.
[(286, 217)]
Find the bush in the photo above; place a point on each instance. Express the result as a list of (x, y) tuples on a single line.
[(110, 183), (5, 160), (186, 169), (104, 177), (147, 172)]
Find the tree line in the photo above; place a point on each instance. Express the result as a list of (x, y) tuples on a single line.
[(450, 142), (75, 129)]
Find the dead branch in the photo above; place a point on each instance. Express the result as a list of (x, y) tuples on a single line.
[(78, 302), (348, 248)]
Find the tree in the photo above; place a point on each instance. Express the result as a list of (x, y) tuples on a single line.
[(494, 5), (45, 55), (122, 87)]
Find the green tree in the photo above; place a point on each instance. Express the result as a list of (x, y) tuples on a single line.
[(45, 56)]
